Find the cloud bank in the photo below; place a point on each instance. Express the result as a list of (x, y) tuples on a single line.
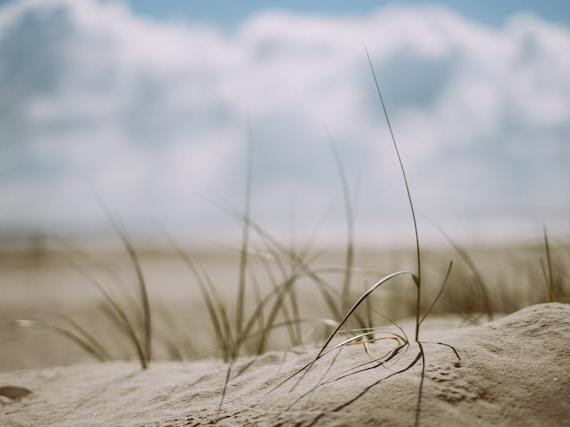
[(152, 116)]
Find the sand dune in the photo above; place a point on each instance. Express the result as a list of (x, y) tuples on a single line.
[(513, 371)]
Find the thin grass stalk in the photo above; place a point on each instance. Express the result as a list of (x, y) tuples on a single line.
[(223, 315), (368, 310), (296, 313), (295, 338), (362, 298), (257, 296), (477, 275), (146, 312), (421, 387), (277, 258), (118, 316), (293, 330), (550, 280), (321, 285), (358, 339), (245, 235), (168, 336), (116, 313), (277, 305), (418, 276), (349, 252), (287, 323), (202, 285), (391, 356), (81, 338), (308, 245), (250, 323), (88, 338), (440, 293), (319, 382), (143, 294), (77, 339), (293, 300)]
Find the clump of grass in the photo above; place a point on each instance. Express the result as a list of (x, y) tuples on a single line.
[(477, 277), (402, 342), (115, 310), (291, 264), (74, 332), (118, 313), (232, 336)]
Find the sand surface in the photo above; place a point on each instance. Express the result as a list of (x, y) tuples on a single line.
[(513, 371)]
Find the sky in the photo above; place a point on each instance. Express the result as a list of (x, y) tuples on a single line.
[(149, 108), (227, 15)]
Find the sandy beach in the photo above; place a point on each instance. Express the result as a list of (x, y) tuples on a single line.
[(512, 371)]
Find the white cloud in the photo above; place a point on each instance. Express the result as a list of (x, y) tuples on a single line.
[(151, 114)]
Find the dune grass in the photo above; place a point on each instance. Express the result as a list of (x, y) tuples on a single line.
[(417, 280), (72, 331), (477, 277), (119, 313), (284, 266), (349, 220), (118, 310), (546, 268), (418, 276)]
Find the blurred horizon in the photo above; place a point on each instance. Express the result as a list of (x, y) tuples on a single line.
[(144, 107)]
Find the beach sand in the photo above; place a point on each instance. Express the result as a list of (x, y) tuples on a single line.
[(514, 371)]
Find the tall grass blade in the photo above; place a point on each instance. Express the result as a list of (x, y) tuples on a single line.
[(74, 337), (207, 298), (133, 256), (147, 319), (349, 253), (322, 286), (418, 276), (477, 276), (440, 293), (89, 338), (145, 303), (257, 296), (118, 316), (277, 306), (274, 284), (548, 269), (222, 313), (245, 235)]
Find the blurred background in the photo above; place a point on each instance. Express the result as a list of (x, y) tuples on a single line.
[(144, 106), (145, 112)]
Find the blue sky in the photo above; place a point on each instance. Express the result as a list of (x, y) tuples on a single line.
[(144, 105), (228, 14)]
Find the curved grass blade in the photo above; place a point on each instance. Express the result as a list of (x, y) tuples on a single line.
[(344, 319), (477, 276), (441, 289), (88, 338), (418, 277), (76, 338), (349, 251)]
